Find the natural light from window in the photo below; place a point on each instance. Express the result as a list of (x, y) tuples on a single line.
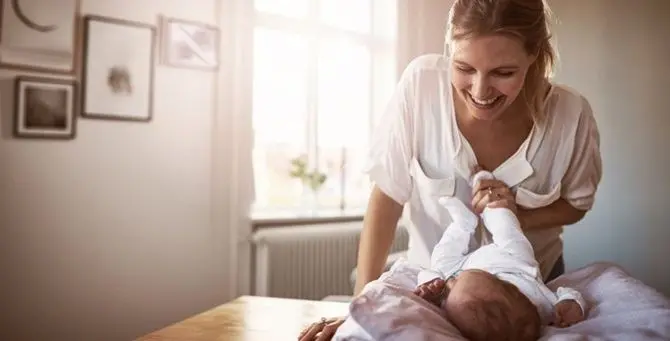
[(322, 71)]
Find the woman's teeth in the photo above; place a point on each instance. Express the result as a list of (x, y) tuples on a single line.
[(484, 101)]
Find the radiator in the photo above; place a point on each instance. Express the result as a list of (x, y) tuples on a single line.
[(309, 262)]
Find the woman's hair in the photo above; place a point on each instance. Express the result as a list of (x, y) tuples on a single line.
[(526, 20)]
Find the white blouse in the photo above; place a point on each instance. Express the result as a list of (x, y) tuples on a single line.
[(418, 155)]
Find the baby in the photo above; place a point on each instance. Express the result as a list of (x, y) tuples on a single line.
[(496, 292)]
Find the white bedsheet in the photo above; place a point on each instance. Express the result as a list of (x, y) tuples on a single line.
[(622, 308)]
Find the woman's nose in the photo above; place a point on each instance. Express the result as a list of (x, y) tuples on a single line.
[(480, 87)]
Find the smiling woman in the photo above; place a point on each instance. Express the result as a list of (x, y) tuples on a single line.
[(487, 103), (489, 86)]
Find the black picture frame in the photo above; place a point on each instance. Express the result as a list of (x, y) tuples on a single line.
[(45, 108), (126, 51)]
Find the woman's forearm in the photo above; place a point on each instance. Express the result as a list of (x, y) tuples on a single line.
[(379, 225), (558, 213)]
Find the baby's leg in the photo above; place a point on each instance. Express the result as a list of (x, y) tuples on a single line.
[(450, 251), (507, 234), (505, 227)]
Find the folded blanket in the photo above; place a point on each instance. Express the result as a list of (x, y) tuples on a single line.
[(622, 308)]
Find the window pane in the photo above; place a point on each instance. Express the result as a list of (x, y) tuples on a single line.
[(279, 116), (330, 163), (343, 94), (290, 8), (354, 15), (356, 183), (344, 108)]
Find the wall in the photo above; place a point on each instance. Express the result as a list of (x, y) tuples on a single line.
[(615, 53), (124, 229), (421, 28)]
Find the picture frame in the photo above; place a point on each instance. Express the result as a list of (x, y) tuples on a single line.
[(45, 108), (189, 44), (117, 78), (40, 36)]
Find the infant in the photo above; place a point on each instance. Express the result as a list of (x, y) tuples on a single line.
[(495, 292)]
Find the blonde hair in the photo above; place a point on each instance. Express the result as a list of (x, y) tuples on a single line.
[(527, 20)]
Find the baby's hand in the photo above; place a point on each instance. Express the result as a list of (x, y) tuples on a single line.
[(431, 291), (567, 313)]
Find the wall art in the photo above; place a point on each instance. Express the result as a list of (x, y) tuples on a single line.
[(189, 44), (40, 36), (118, 69), (45, 108)]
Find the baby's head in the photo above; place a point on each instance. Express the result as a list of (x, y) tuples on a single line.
[(484, 307)]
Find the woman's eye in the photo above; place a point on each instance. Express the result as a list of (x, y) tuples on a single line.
[(465, 70), (505, 73)]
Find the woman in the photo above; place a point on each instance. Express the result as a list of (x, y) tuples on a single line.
[(486, 103)]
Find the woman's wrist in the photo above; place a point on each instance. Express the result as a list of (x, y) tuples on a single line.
[(521, 214), (559, 213)]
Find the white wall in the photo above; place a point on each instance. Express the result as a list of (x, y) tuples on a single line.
[(125, 229), (422, 27), (616, 53)]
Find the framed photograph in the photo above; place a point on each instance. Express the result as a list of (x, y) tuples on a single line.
[(189, 44), (40, 36), (118, 69), (45, 108)]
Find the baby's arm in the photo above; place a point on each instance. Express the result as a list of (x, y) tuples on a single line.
[(570, 307), (565, 294)]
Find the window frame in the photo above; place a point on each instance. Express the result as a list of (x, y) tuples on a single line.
[(313, 30)]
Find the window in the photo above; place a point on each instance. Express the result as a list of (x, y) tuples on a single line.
[(322, 71)]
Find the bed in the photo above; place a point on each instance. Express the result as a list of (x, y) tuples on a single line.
[(621, 308)]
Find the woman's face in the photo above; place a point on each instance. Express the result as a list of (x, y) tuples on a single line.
[(488, 73)]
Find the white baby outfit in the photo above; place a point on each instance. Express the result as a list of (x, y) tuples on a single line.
[(510, 257)]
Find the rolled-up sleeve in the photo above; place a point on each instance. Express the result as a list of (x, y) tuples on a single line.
[(583, 176), (391, 152)]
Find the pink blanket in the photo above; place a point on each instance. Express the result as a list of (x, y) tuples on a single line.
[(622, 308)]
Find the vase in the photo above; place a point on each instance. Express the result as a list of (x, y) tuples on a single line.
[(309, 201)]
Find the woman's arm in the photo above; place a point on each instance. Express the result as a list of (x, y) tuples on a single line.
[(379, 225), (558, 213)]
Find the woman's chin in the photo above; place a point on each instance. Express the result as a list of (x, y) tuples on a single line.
[(485, 114)]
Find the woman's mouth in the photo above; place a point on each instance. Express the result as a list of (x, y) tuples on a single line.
[(486, 104)]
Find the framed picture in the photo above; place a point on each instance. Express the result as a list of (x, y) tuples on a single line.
[(40, 36), (45, 108), (118, 69), (189, 44)]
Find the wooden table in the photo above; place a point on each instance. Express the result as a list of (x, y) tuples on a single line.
[(250, 318)]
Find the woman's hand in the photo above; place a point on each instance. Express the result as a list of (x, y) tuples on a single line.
[(492, 193), (322, 330)]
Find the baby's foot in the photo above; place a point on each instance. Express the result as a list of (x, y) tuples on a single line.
[(479, 176), (432, 291)]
